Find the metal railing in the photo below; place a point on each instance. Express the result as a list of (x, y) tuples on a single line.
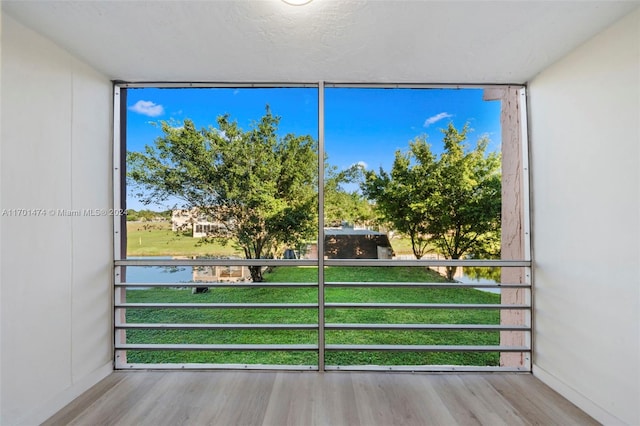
[(330, 337)]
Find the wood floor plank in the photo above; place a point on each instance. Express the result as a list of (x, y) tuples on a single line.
[(337, 404), (264, 398), (87, 399), (175, 392), (489, 400), (389, 399), (119, 400), (238, 398), (547, 402), (213, 396), (438, 412), (449, 390), (295, 399)]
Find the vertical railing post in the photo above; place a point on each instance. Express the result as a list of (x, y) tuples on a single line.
[(321, 321), (526, 209), (119, 221)]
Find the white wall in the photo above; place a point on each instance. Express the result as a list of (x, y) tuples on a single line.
[(55, 270), (585, 138)]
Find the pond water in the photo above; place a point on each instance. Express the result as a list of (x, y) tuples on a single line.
[(472, 280), (185, 274), (158, 274)]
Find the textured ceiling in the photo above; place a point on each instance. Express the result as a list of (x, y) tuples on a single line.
[(338, 41)]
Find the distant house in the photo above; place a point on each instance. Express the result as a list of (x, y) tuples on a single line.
[(220, 273), (349, 243), (193, 221), (343, 242)]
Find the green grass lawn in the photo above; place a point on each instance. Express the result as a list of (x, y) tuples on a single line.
[(309, 316), (401, 245), (157, 239)]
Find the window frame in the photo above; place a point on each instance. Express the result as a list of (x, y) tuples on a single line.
[(119, 200)]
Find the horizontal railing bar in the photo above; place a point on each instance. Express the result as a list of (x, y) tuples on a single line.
[(453, 327), (244, 284), (399, 368), (428, 262), (426, 368), (205, 366), (327, 262), (424, 306), (247, 284), (427, 348), (151, 326), (212, 347), (216, 262), (336, 326), (314, 305), (423, 285), (219, 305)]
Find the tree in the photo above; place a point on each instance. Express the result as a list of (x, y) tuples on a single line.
[(342, 205), (451, 203), (394, 194), (465, 210), (147, 215), (259, 188)]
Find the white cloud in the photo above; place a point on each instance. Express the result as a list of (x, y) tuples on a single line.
[(147, 108), (361, 164), (435, 118), (220, 132)]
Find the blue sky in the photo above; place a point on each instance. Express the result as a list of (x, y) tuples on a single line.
[(361, 125)]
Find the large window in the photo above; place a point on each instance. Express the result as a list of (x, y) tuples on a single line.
[(233, 192)]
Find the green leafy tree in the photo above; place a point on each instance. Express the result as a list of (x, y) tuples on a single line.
[(465, 211), (258, 187), (147, 215), (394, 193), (450, 204), (342, 205)]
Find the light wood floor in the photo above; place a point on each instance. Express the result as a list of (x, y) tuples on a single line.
[(311, 398)]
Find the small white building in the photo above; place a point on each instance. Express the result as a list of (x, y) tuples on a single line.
[(194, 221)]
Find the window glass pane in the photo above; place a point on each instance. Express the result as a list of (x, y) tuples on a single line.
[(222, 172), (412, 173)]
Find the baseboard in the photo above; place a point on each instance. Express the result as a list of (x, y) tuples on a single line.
[(581, 401), (65, 397)]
